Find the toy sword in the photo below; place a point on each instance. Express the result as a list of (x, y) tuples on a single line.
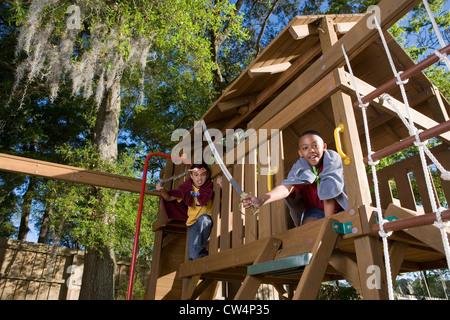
[(224, 169)]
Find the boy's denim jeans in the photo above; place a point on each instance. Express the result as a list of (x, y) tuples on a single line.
[(198, 235)]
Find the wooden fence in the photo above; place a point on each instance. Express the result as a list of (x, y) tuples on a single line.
[(34, 271)]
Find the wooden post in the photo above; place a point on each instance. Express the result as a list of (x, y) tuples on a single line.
[(309, 284), (358, 192), (150, 289)]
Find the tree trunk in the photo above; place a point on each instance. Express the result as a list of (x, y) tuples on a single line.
[(107, 124), (26, 209), (99, 264), (44, 233), (98, 274)]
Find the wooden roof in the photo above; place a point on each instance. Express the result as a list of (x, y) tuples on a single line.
[(251, 88)]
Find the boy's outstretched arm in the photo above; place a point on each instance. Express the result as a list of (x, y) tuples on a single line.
[(164, 193), (329, 207), (277, 193)]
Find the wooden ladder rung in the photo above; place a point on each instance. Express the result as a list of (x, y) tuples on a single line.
[(284, 266)]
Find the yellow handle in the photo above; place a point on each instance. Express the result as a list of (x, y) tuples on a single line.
[(269, 177), (337, 139)]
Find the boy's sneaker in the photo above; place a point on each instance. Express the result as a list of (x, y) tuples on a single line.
[(203, 253)]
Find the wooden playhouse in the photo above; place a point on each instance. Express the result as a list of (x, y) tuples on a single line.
[(301, 81)]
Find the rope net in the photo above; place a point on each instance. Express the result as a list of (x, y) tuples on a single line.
[(413, 131)]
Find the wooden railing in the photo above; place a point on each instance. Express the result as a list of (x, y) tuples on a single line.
[(410, 195), (233, 226)]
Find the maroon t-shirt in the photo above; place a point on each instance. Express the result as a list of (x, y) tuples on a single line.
[(310, 195)]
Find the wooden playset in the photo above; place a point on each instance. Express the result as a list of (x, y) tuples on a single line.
[(318, 73), (301, 81)]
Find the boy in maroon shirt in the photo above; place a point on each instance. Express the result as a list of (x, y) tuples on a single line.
[(315, 186)]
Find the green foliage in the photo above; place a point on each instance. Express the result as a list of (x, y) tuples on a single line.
[(417, 36), (353, 6), (416, 283), (79, 211), (337, 291)]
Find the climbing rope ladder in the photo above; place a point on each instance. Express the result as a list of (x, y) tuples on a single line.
[(363, 103)]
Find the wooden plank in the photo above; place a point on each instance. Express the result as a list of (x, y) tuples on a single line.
[(346, 267), (215, 216), (234, 103), (71, 174), (189, 288), (225, 215), (404, 189), (328, 36), (251, 284), (385, 191), (150, 289), (344, 27), (251, 223), (444, 159), (278, 208), (265, 214), (312, 276), (302, 31), (268, 70), (422, 186), (397, 252), (237, 236)]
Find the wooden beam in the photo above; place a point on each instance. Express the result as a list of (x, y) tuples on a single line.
[(268, 70), (71, 174), (302, 31), (234, 103), (344, 27), (150, 288), (189, 286), (397, 252), (328, 36), (346, 267), (312, 277)]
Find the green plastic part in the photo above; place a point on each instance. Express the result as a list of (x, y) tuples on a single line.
[(284, 266), (342, 228)]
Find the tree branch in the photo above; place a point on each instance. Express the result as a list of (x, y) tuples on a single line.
[(263, 27)]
